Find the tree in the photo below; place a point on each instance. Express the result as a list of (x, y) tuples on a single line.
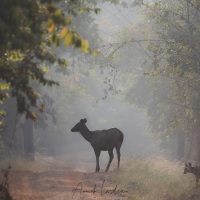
[(29, 33), (173, 48), (28, 29)]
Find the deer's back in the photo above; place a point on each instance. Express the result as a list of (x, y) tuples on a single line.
[(108, 138)]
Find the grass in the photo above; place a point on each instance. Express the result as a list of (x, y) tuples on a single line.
[(144, 179), (156, 179)]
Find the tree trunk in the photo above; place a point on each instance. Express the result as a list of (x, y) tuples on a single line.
[(28, 139)]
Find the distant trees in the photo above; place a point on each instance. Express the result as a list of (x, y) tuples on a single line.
[(173, 67)]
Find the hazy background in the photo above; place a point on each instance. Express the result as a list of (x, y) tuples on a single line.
[(82, 95), (98, 88)]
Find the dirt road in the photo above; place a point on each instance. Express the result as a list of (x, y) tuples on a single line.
[(64, 185)]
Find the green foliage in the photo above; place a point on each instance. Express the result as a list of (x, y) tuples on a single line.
[(4, 86), (28, 29)]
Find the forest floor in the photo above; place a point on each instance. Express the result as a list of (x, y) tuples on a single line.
[(63, 185), (61, 178), (139, 179)]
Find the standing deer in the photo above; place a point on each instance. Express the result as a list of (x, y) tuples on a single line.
[(194, 170), (101, 140)]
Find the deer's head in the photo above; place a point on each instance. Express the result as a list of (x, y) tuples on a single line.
[(79, 125)]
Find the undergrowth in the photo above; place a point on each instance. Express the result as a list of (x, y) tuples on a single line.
[(144, 179), (4, 185), (155, 179)]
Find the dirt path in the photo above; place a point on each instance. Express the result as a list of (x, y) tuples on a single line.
[(64, 185)]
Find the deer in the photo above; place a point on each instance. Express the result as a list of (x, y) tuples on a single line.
[(194, 170), (101, 140)]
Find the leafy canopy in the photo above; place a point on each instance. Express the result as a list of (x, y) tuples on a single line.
[(28, 29)]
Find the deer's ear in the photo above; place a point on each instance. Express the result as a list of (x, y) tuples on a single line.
[(186, 164), (189, 164)]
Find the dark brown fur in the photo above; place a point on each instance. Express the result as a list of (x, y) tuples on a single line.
[(194, 170), (103, 140)]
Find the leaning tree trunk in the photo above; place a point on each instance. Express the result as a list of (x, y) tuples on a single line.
[(28, 139)]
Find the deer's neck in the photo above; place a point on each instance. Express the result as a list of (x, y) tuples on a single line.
[(86, 133)]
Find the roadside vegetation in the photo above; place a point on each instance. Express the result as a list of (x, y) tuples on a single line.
[(156, 179)]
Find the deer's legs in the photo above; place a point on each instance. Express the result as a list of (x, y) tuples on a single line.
[(97, 153), (118, 156), (110, 152)]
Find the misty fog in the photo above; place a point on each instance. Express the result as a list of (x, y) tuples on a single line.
[(110, 89), (82, 93), (69, 69)]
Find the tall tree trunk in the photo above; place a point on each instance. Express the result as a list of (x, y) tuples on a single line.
[(28, 139)]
